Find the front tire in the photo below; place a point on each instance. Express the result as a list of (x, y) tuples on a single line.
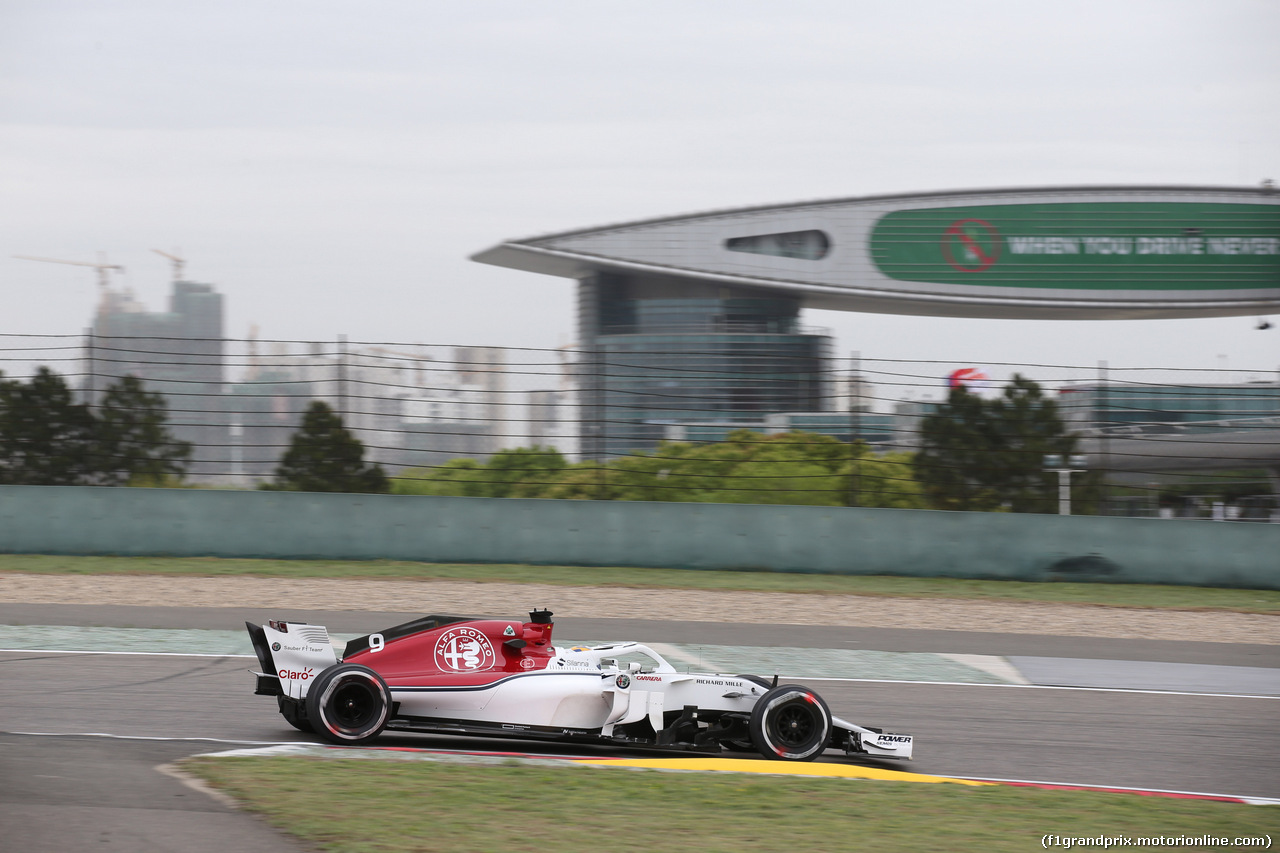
[(348, 704), (790, 723)]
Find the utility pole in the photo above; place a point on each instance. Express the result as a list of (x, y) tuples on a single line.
[(855, 431), (1104, 435), (91, 368), (1064, 468), (342, 379)]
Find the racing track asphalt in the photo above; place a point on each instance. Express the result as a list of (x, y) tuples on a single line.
[(60, 793)]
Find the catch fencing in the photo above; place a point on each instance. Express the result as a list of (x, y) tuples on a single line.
[(1158, 440)]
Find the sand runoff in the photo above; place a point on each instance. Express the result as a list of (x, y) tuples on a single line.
[(595, 602)]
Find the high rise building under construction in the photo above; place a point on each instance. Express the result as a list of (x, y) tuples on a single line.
[(179, 353)]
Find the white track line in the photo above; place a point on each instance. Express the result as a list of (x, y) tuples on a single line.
[(1037, 687), (145, 654), (791, 677), (158, 738)]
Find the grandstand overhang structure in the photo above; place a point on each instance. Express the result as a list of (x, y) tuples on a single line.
[(696, 318), (1064, 253)]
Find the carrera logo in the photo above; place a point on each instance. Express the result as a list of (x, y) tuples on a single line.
[(464, 650), (648, 678), (295, 675)]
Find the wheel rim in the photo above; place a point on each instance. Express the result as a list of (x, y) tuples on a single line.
[(353, 706), (790, 723), (794, 725)]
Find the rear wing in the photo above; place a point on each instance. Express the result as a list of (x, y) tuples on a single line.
[(291, 655)]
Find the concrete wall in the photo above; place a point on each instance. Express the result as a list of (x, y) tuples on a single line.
[(86, 520)]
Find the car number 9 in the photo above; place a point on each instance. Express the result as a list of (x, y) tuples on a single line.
[(376, 643)]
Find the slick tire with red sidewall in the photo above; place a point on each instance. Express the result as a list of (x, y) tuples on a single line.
[(348, 704), (790, 723)]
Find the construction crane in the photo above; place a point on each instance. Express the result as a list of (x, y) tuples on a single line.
[(101, 266), (178, 263)]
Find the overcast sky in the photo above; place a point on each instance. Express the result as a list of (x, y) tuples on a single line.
[(330, 166)]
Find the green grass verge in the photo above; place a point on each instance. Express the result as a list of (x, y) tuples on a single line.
[(1112, 595), (358, 806)]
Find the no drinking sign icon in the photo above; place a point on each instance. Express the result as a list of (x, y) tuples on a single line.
[(971, 245)]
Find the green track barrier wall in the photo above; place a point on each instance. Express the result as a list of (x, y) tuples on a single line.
[(835, 540)]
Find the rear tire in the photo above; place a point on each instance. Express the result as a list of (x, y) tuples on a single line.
[(790, 723), (348, 704)]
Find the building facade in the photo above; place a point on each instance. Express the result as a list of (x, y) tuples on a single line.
[(410, 409), (656, 352), (179, 353)]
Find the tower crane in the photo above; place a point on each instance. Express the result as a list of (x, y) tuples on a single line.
[(178, 263), (101, 266)]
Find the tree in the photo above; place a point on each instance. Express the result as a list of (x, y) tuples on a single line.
[(747, 467), (985, 455), (523, 472), (784, 468), (46, 439), (130, 442), (882, 480), (520, 472), (325, 457), (458, 478), (588, 480)]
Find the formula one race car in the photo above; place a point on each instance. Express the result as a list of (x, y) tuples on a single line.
[(450, 675)]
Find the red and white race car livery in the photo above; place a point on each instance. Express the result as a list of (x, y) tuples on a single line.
[(454, 675)]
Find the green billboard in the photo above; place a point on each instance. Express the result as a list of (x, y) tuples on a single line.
[(1179, 246)]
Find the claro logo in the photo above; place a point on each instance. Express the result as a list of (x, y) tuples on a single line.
[(295, 675)]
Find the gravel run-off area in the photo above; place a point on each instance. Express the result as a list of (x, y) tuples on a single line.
[(501, 600)]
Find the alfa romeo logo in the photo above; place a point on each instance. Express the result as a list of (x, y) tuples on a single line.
[(971, 245), (464, 650), (623, 681)]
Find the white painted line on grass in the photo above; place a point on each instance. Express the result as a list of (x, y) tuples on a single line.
[(1257, 801)]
